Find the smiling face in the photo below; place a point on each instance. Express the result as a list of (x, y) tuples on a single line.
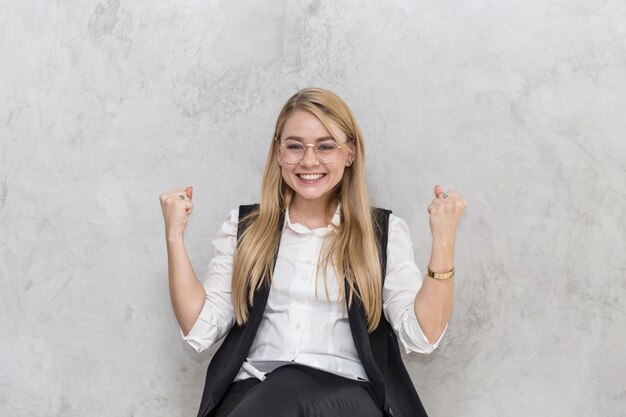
[(313, 181)]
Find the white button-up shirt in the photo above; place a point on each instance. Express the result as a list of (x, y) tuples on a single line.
[(300, 323)]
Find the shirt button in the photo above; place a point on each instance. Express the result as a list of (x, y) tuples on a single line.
[(298, 326)]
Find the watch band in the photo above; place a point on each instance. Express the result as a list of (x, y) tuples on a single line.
[(443, 276)]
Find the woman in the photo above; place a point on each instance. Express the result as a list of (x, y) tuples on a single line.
[(313, 287)]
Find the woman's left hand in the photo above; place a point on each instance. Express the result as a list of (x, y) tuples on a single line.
[(445, 213)]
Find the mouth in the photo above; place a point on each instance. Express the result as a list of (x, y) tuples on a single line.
[(310, 178)]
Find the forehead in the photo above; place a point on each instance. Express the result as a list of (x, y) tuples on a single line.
[(305, 125)]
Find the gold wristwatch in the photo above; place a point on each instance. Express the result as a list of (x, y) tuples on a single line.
[(443, 276)]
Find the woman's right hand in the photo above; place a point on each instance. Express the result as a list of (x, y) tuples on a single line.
[(176, 205)]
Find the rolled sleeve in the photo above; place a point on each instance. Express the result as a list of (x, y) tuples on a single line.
[(411, 335), (217, 315), (402, 282)]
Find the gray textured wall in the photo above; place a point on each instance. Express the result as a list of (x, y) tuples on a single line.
[(518, 105)]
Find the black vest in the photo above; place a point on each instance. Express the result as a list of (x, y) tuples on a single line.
[(378, 351)]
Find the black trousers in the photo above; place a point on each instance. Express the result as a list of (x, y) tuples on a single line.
[(299, 391)]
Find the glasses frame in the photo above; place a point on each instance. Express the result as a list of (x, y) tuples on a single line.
[(311, 145)]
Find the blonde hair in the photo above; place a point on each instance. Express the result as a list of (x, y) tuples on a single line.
[(352, 251)]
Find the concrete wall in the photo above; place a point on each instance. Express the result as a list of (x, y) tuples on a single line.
[(518, 105)]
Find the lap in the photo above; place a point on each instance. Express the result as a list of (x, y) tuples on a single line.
[(298, 390)]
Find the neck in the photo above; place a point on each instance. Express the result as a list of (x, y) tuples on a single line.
[(312, 213)]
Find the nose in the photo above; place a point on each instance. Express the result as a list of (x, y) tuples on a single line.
[(309, 158)]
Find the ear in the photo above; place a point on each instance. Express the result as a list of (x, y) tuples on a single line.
[(352, 154)]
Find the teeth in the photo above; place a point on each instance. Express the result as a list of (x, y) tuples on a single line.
[(311, 177)]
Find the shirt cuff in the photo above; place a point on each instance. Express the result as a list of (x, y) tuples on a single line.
[(412, 336), (205, 331)]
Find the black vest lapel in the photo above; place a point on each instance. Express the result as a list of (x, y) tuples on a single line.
[(372, 348), (358, 327)]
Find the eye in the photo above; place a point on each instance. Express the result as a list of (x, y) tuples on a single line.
[(327, 146), (294, 146)]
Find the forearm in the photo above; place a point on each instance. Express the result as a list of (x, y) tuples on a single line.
[(186, 292), (434, 300)]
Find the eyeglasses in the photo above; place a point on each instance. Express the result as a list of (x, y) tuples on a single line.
[(327, 151)]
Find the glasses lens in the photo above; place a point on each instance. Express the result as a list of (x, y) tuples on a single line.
[(327, 151), (292, 152)]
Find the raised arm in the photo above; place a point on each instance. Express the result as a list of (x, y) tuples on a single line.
[(433, 302), (186, 292)]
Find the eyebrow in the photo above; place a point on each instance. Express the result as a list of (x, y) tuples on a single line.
[(299, 139)]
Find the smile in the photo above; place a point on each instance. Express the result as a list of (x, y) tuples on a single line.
[(310, 177)]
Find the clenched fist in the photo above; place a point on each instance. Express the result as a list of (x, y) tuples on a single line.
[(177, 207), (445, 212)]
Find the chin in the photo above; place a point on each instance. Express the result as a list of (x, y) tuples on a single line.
[(310, 196)]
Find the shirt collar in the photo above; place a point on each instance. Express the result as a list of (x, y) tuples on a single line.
[(320, 231)]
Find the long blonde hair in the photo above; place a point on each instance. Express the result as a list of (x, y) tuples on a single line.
[(352, 251)]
